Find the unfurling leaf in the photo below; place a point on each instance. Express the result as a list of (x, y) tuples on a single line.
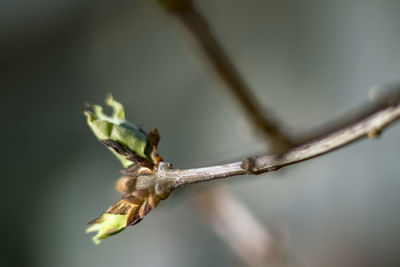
[(137, 152), (129, 210), (117, 133), (107, 225)]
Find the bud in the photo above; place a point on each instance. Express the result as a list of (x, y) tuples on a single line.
[(125, 185), (137, 152)]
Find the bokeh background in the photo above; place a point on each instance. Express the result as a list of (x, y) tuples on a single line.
[(308, 61)]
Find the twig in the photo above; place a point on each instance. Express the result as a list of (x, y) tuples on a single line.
[(197, 25), (370, 126), (236, 225)]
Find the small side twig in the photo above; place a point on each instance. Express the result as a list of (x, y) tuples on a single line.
[(370, 126)]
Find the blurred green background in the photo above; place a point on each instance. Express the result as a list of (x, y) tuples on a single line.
[(307, 61)]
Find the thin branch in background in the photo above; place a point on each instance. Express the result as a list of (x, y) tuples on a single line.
[(198, 27), (235, 224)]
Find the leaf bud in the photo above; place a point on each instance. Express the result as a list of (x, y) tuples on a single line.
[(125, 185)]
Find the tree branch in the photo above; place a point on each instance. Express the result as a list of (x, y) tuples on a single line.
[(370, 126), (237, 226), (199, 28)]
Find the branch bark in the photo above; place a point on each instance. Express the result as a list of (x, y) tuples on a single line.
[(370, 126)]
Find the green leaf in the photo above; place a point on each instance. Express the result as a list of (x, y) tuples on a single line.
[(116, 128), (107, 225)]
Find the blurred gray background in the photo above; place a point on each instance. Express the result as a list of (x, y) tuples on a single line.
[(307, 61)]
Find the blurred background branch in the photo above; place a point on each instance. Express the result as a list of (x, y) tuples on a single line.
[(199, 28), (238, 227)]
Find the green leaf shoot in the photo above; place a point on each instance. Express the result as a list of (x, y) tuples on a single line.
[(107, 225), (117, 129)]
